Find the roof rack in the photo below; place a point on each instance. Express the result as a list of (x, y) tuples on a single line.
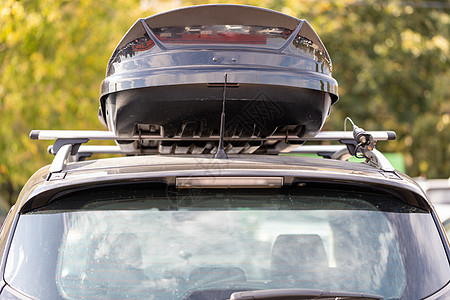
[(68, 145)]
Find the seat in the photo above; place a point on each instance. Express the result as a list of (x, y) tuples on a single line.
[(298, 260)]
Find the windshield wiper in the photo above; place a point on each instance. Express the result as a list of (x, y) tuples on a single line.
[(296, 294)]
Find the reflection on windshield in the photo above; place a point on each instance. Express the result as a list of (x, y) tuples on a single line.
[(170, 251), (198, 245)]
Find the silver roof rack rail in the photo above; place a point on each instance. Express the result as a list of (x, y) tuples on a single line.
[(108, 135), (68, 145)]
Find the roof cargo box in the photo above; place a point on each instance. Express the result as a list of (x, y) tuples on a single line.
[(170, 73)]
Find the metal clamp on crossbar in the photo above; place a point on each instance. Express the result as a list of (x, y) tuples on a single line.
[(59, 143), (63, 148)]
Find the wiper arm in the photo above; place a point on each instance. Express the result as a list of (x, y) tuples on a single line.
[(296, 294)]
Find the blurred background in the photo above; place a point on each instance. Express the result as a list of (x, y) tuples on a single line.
[(390, 58)]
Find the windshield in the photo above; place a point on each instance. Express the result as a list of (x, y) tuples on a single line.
[(155, 242)]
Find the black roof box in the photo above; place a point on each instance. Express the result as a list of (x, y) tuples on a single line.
[(166, 76)]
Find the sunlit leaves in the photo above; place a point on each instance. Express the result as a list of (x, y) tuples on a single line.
[(54, 56)]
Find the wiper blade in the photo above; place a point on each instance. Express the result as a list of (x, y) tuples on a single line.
[(297, 294)]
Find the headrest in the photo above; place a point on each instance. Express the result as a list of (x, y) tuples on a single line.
[(298, 257)]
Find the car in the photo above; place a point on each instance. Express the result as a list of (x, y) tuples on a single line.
[(190, 227), (446, 224), (233, 220), (438, 191)]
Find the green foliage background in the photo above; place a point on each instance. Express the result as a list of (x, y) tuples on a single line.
[(391, 59)]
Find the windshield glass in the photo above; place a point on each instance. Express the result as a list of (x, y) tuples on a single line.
[(147, 242)]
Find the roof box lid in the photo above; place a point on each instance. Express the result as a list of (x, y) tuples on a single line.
[(171, 40)]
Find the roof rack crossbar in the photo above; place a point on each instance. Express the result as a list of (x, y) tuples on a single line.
[(339, 152), (108, 135), (73, 134), (68, 144), (326, 151), (89, 150)]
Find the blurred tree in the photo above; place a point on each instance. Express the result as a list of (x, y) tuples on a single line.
[(391, 59), (53, 56)]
